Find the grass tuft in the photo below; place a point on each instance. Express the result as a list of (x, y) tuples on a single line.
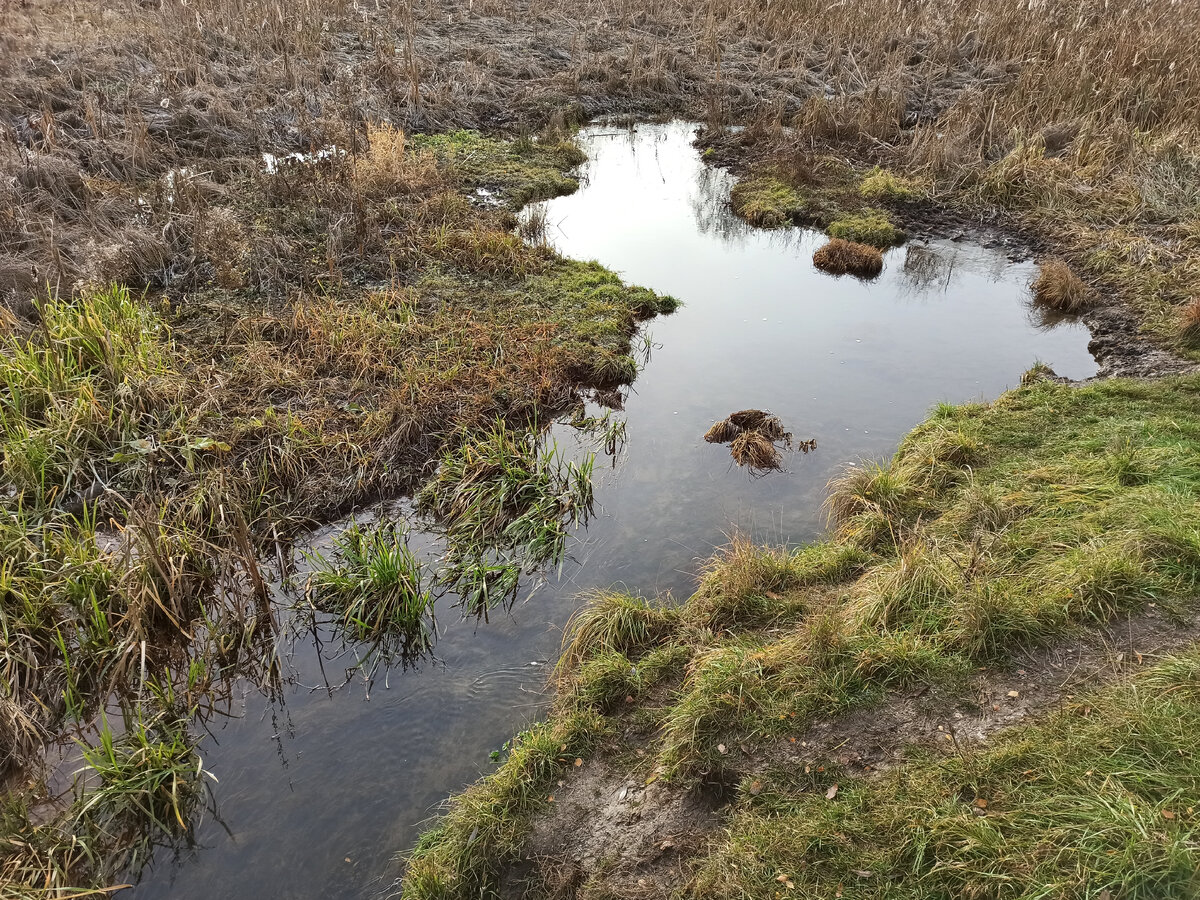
[(871, 227), (842, 257), (374, 584), (766, 202), (506, 503), (1058, 287), (880, 184), (1189, 324)]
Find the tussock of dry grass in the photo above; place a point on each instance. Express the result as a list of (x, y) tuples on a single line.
[(722, 432), (1189, 325), (757, 439), (842, 257), (1058, 287), (756, 452), (388, 167)]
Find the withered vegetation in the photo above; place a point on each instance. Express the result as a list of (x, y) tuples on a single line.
[(842, 257), (1058, 287), (757, 439)]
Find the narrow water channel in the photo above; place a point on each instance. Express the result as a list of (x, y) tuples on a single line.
[(318, 790)]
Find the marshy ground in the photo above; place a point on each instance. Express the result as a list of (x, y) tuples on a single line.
[(255, 273)]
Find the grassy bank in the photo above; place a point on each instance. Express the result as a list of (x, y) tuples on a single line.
[(160, 446), (994, 529)]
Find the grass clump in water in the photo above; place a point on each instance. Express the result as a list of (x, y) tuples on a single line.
[(507, 503), (842, 257), (871, 227), (374, 584), (766, 202), (1058, 287)]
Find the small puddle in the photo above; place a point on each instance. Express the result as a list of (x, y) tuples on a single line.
[(318, 789)]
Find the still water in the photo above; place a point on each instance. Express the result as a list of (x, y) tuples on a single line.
[(318, 789)]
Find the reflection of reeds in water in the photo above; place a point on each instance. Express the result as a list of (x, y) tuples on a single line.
[(925, 267), (532, 226)]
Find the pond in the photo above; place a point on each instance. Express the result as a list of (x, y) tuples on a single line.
[(319, 788)]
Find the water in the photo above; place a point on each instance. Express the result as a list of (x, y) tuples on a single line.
[(318, 790)]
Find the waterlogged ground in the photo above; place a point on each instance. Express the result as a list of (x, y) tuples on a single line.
[(318, 787)]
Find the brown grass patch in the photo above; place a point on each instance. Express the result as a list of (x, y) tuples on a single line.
[(722, 432), (842, 257), (1189, 324), (390, 167), (757, 439), (1058, 287), (750, 419), (756, 452)]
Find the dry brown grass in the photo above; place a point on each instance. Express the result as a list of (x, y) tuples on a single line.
[(756, 452), (1189, 324), (387, 167), (841, 257), (1055, 113), (757, 439), (722, 432), (1058, 287)]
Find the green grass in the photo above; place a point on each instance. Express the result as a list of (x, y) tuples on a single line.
[(506, 503), (766, 201), (994, 527), (374, 584), (1097, 801), (882, 185), (872, 227)]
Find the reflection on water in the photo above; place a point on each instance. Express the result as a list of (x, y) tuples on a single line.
[(318, 789)]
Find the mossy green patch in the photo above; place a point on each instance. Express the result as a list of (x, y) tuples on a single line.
[(883, 185), (523, 171), (871, 227), (766, 201)]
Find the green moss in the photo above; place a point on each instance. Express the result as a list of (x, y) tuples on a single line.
[(871, 227), (766, 201), (880, 184), (523, 170)]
